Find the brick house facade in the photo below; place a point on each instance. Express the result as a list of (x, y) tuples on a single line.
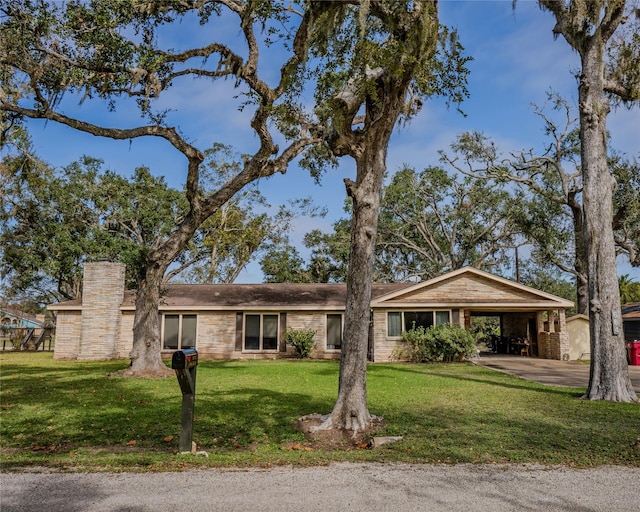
[(246, 321)]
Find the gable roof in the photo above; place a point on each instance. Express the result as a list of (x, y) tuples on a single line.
[(470, 287)]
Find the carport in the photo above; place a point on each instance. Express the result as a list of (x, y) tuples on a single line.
[(529, 332), (529, 319)]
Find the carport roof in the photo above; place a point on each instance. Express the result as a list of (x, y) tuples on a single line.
[(631, 311), (475, 289)]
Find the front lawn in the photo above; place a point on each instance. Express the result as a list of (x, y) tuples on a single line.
[(74, 416)]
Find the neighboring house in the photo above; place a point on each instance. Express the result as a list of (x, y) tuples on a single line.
[(579, 341), (20, 329), (246, 321), (631, 321), (12, 317)]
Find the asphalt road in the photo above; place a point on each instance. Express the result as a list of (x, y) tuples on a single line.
[(338, 487)]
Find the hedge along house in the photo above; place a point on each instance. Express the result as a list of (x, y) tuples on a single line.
[(246, 321)]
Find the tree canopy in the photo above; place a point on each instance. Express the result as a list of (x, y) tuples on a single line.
[(53, 220), (114, 53)]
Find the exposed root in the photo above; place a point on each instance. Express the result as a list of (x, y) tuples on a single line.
[(144, 374), (322, 433)]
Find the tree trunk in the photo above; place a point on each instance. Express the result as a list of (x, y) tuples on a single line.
[(146, 354), (366, 140), (580, 259), (609, 375), (350, 411)]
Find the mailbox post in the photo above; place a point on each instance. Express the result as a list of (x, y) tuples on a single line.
[(185, 364)]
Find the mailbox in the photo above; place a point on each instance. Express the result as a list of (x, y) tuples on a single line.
[(185, 364), (184, 359)]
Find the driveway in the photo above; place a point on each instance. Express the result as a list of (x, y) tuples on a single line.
[(572, 374)]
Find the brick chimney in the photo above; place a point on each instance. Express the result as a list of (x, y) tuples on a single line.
[(102, 295)]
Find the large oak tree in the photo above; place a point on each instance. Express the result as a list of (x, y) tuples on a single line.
[(111, 52), (609, 62), (379, 60), (435, 221)]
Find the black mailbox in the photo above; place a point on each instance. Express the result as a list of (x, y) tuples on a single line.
[(185, 363), (184, 359)]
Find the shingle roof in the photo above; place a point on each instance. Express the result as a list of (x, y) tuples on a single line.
[(265, 295), (19, 314), (631, 310), (259, 295)]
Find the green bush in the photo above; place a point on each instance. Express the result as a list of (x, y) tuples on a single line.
[(301, 340), (440, 343)]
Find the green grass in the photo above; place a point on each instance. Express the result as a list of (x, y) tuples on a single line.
[(74, 416)]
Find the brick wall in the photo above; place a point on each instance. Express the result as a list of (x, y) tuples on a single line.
[(125, 339), (385, 348), (555, 344), (216, 335), (67, 344)]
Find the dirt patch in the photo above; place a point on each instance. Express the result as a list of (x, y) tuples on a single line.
[(334, 439), (148, 374)]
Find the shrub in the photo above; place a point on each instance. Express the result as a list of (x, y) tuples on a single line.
[(440, 343), (301, 340)]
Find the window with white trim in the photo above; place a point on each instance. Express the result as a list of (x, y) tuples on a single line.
[(261, 331), (334, 331), (179, 331), (399, 321)]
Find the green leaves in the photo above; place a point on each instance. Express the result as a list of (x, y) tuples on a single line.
[(301, 340), (55, 219), (432, 221), (439, 343)]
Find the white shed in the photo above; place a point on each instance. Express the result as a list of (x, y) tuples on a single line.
[(579, 342)]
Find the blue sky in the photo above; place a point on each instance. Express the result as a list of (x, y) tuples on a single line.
[(516, 62)]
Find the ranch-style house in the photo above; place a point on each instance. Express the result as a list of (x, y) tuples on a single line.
[(247, 321)]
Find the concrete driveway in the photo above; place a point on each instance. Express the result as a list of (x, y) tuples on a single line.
[(572, 374)]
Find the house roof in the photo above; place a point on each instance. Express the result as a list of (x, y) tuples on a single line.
[(258, 296), (466, 287), (25, 318), (472, 288), (265, 296), (631, 311)]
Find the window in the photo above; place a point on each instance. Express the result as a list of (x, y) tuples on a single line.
[(179, 332), (415, 319), (394, 323), (261, 332), (334, 331), (398, 321), (443, 317)]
